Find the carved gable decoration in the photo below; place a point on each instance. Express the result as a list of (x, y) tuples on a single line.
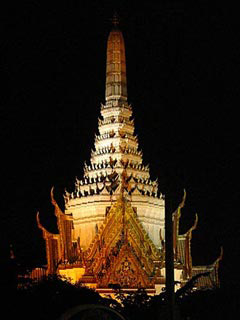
[(122, 253)]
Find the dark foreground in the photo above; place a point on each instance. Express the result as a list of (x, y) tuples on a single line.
[(54, 296)]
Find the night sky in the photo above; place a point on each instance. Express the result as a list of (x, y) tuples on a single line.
[(183, 84)]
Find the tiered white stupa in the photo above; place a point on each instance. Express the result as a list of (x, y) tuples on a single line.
[(115, 158)]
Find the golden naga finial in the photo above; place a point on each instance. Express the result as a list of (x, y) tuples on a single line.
[(177, 213), (193, 227), (46, 233), (195, 222), (39, 223), (221, 254), (58, 211), (181, 205), (52, 197)]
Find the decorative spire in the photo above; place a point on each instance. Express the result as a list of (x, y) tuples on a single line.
[(115, 19), (116, 80)]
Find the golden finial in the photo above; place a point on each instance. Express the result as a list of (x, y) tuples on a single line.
[(181, 205), (221, 254), (115, 19), (52, 196), (39, 223)]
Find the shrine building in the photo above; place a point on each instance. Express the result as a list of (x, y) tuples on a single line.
[(111, 233)]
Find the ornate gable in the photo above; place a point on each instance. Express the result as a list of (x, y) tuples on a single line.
[(122, 253)]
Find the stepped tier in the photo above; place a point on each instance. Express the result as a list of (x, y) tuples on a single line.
[(93, 196), (110, 182), (116, 140), (115, 155), (97, 171), (130, 155)]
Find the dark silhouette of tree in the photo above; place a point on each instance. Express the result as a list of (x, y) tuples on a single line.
[(54, 295), (134, 305)]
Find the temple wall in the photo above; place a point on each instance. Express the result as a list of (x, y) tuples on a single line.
[(73, 274)]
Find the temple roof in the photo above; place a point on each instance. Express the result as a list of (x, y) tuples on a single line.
[(122, 251)]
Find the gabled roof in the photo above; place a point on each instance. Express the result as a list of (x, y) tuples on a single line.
[(122, 241), (212, 280)]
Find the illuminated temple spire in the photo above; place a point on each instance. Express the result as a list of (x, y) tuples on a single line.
[(116, 146), (115, 153), (116, 80), (112, 229)]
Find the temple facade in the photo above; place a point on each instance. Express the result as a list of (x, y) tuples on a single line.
[(111, 233)]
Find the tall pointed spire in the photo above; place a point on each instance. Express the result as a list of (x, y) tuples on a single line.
[(116, 79), (115, 156)]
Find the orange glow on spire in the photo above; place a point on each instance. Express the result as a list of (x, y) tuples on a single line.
[(116, 79)]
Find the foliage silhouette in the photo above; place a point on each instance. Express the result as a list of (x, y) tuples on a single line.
[(54, 295)]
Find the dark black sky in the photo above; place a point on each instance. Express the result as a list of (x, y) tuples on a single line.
[(183, 78)]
